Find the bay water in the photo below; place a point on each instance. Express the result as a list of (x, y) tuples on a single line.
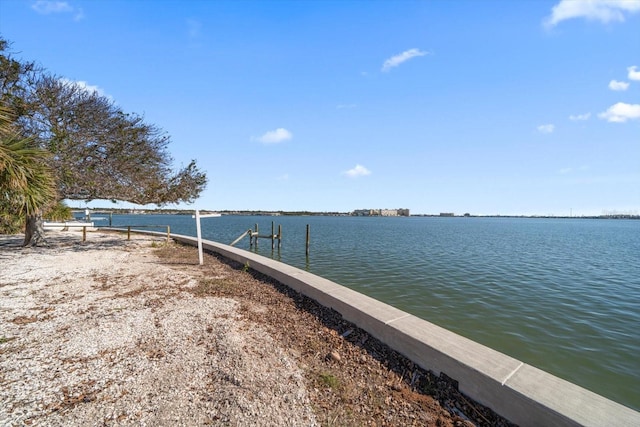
[(560, 294)]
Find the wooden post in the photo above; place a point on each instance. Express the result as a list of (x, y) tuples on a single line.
[(272, 235), (84, 234), (168, 233), (257, 235), (129, 232), (110, 218), (307, 240), (241, 236), (279, 236)]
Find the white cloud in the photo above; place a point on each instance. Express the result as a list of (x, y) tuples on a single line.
[(618, 86), (604, 11), (86, 87), (549, 128), (357, 171), (621, 112), (633, 74), (46, 7), (396, 60), (275, 136), (565, 171), (194, 28), (580, 117)]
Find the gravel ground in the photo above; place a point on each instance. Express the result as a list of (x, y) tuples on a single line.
[(117, 332)]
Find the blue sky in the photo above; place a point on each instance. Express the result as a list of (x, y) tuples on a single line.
[(486, 107)]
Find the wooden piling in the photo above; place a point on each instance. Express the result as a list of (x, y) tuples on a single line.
[(257, 234), (307, 251), (279, 236), (273, 235), (129, 233), (84, 234)]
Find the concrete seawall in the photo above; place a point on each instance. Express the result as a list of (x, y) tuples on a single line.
[(519, 392)]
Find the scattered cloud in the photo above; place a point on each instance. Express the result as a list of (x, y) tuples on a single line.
[(633, 74), (621, 112), (618, 86), (565, 171), (194, 28), (86, 87), (357, 171), (604, 11), (345, 106), (548, 128), (275, 136), (46, 7), (580, 117), (396, 60)]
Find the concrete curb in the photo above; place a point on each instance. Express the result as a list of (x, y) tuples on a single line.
[(519, 392)]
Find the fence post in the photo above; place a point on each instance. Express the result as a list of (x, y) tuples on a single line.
[(128, 232), (84, 234), (279, 236), (168, 233)]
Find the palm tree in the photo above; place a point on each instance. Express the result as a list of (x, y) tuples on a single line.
[(27, 185)]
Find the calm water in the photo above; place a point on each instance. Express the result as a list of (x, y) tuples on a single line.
[(560, 294)]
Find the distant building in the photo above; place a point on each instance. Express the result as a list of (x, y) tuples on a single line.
[(446, 214), (380, 212), (363, 212)]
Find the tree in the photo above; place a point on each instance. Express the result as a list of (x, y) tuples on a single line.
[(27, 185), (100, 152), (97, 150)]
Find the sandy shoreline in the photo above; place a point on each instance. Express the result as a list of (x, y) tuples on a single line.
[(101, 333)]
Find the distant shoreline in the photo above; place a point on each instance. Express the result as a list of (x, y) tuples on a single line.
[(121, 211)]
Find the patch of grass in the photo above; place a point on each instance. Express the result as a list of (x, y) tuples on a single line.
[(175, 253), (246, 267), (330, 381), (213, 287)]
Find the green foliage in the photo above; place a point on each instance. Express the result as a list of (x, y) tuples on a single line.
[(27, 185), (330, 380), (59, 212)]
